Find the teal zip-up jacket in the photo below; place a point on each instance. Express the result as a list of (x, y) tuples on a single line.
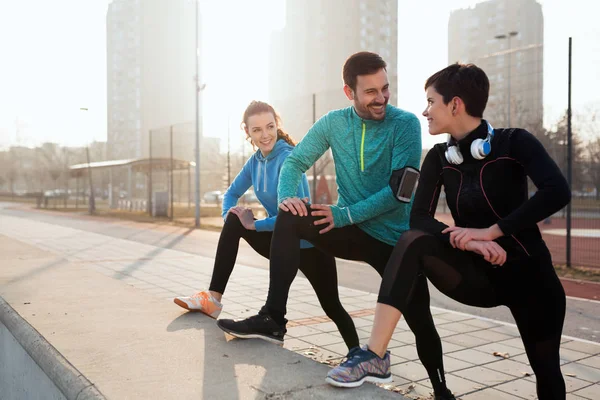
[(365, 153)]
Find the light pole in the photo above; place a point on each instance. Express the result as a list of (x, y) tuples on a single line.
[(228, 151), (508, 53), (314, 118), (197, 150)]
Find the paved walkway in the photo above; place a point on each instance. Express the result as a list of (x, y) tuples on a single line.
[(484, 358)]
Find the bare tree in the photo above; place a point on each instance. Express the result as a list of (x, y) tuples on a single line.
[(589, 123), (3, 166), (593, 165), (53, 159), (12, 172), (555, 142)]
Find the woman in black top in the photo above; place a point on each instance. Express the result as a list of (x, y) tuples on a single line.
[(495, 254)]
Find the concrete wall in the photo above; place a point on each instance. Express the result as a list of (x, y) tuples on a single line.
[(31, 368), (20, 376)]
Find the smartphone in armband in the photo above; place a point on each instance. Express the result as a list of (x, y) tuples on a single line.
[(404, 182)]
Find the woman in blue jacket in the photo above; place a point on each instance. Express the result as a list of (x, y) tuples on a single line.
[(261, 171)]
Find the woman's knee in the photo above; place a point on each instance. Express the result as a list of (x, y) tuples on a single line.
[(405, 262), (415, 238), (412, 246), (232, 224)]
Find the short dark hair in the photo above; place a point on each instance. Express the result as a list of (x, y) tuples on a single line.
[(362, 63), (466, 81)]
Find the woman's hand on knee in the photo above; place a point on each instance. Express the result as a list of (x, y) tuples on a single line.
[(235, 210), (245, 215)]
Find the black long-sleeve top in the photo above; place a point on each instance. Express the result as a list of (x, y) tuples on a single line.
[(481, 193)]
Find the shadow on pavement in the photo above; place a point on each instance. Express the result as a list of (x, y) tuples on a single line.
[(232, 366)]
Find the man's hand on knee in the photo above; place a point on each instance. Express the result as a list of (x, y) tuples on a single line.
[(323, 210), (295, 205)]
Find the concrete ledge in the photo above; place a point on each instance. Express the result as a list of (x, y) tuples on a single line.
[(71, 383)]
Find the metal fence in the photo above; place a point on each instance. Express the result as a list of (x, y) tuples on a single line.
[(219, 164), (584, 241)]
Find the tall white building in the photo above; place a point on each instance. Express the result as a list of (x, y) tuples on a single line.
[(505, 38), (308, 54), (151, 48)]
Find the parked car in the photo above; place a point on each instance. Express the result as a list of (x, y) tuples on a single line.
[(249, 197), (214, 197)]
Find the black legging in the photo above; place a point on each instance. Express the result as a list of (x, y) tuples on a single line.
[(350, 243), (318, 267), (529, 288)]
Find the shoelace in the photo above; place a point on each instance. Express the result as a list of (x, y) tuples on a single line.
[(351, 357), (258, 317)]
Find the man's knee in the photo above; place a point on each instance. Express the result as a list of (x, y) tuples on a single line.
[(333, 308), (287, 219)]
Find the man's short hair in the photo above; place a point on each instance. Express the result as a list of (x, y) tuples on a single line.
[(466, 81), (362, 63)]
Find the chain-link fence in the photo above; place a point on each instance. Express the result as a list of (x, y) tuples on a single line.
[(173, 189)]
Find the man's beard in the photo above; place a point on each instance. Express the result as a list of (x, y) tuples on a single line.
[(366, 112)]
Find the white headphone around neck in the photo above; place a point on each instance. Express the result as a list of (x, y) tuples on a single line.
[(480, 148)]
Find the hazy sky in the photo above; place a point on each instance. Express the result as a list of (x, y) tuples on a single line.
[(54, 62), (423, 40)]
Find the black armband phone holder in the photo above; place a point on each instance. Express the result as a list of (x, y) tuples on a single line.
[(403, 183)]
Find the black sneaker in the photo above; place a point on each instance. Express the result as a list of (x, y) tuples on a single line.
[(259, 326), (445, 396)]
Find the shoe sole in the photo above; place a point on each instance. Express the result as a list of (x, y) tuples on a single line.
[(183, 304), (372, 379), (250, 336)]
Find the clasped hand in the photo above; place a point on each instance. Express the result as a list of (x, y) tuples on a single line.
[(480, 241)]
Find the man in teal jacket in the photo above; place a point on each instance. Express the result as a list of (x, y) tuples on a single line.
[(371, 142)]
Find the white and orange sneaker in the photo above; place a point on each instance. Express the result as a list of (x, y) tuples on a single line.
[(201, 301)]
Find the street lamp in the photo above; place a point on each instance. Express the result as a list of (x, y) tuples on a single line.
[(508, 53), (198, 88)]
